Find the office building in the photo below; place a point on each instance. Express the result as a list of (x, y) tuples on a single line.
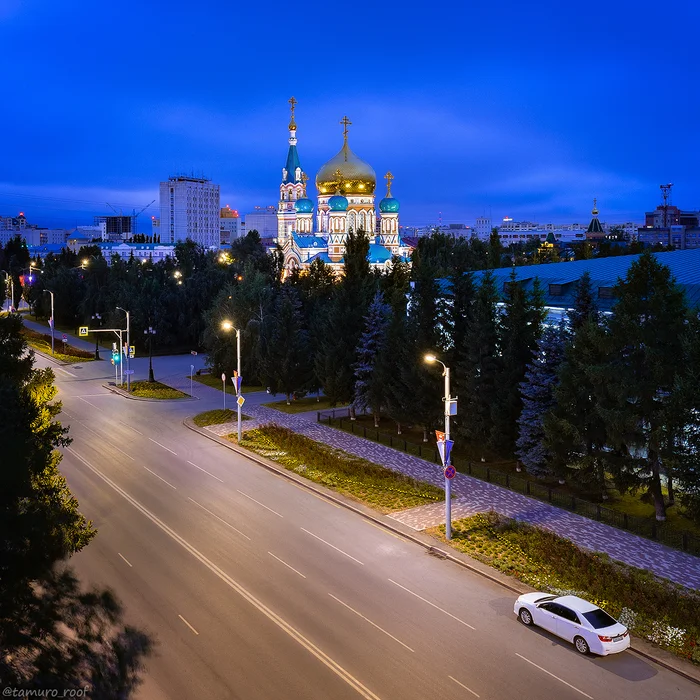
[(230, 225), (189, 209)]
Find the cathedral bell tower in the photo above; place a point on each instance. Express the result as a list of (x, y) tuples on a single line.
[(389, 224), (292, 187)]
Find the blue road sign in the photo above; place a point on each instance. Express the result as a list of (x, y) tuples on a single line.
[(450, 472)]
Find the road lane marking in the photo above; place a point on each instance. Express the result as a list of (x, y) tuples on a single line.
[(125, 559), (161, 478), (107, 442), (384, 530), (205, 471), (129, 426), (65, 413), (285, 626), (349, 556), (89, 403), (218, 518), (287, 565), (464, 686), (366, 619), (437, 607), (260, 504), (549, 673), (163, 446), (189, 625), (70, 374)]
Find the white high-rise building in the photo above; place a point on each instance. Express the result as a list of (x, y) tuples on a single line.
[(483, 227), (189, 208)]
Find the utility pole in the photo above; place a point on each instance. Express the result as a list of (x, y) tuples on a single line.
[(150, 333), (53, 323), (128, 345), (97, 317)]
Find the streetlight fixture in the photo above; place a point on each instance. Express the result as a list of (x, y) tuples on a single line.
[(228, 326), (128, 347), (53, 323), (450, 409), (150, 332)]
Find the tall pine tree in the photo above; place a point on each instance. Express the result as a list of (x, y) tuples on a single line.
[(584, 303)]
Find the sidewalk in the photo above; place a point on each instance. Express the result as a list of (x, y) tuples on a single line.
[(472, 496), (73, 340)]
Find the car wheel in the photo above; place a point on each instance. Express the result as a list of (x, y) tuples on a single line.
[(581, 645), (525, 616)]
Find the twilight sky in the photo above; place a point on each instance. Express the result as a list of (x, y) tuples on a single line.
[(527, 109)]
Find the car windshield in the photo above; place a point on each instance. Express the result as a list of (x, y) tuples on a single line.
[(599, 618)]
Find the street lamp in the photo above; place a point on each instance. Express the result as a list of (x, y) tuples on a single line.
[(228, 326), (53, 323), (12, 289), (150, 332), (98, 318), (450, 405), (128, 348)]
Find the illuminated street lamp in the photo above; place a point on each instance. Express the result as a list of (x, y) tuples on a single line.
[(450, 409), (228, 326)]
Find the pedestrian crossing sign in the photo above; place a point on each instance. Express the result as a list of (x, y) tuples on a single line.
[(82, 330)]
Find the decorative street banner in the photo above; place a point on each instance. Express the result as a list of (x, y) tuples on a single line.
[(439, 436), (444, 449), (236, 380)]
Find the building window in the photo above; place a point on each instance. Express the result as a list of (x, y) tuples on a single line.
[(605, 293)]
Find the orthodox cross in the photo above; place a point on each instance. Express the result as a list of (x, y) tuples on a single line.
[(345, 122), (388, 177), (293, 103)]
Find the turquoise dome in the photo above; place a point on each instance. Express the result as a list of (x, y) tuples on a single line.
[(338, 203), (304, 206), (389, 205)]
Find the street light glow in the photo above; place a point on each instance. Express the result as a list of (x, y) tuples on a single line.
[(430, 358), (226, 325)]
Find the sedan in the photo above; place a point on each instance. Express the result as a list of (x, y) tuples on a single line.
[(589, 628)]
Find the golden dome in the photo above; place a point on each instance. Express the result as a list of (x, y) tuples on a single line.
[(358, 177)]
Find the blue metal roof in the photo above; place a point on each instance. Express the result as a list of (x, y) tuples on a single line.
[(321, 256), (309, 241), (292, 164), (378, 253), (604, 272)]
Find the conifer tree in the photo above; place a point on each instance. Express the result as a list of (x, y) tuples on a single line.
[(584, 303), (477, 369), (519, 327), (370, 375), (645, 333)]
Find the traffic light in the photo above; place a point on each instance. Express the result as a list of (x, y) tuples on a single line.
[(116, 358)]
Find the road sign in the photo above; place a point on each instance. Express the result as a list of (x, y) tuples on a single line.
[(132, 351), (450, 472), (83, 330), (65, 337), (193, 352), (128, 371), (240, 400), (223, 377)]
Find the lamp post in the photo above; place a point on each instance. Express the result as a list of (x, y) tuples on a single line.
[(53, 323), (228, 326), (128, 345), (448, 482), (12, 290), (150, 332), (98, 318)]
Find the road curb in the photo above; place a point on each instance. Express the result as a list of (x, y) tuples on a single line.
[(60, 363), (126, 395), (271, 466)]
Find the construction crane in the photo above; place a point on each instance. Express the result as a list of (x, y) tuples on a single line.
[(666, 194)]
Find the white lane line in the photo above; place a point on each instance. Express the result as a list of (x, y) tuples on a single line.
[(161, 478), (89, 403), (189, 625), (573, 687), (437, 607), (349, 556), (129, 426), (163, 446), (218, 518), (125, 559), (285, 626), (287, 565), (65, 413), (260, 504), (70, 374), (205, 471), (90, 430), (464, 686), (366, 619)]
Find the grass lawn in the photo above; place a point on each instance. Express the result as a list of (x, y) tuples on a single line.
[(364, 481), (656, 609), (632, 504), (308, 403), (63, 351), (154, 390), (214, 381), (217, 416)]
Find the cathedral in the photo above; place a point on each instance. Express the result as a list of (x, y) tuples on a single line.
[(346, 192)]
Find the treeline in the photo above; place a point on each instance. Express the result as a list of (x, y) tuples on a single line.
[(597, 400), (53, 633)]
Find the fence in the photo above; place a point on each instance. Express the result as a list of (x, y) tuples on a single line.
[(645, 527)]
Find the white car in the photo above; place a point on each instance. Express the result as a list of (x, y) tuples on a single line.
[(589, 628)]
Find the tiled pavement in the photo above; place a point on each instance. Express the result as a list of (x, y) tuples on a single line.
[(473, 496)]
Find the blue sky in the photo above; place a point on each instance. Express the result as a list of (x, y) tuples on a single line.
[(509, 108)]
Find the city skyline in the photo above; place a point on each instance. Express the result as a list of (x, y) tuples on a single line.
[(531, 124)]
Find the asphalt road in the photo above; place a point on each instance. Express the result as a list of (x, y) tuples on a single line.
[(256, 588)]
